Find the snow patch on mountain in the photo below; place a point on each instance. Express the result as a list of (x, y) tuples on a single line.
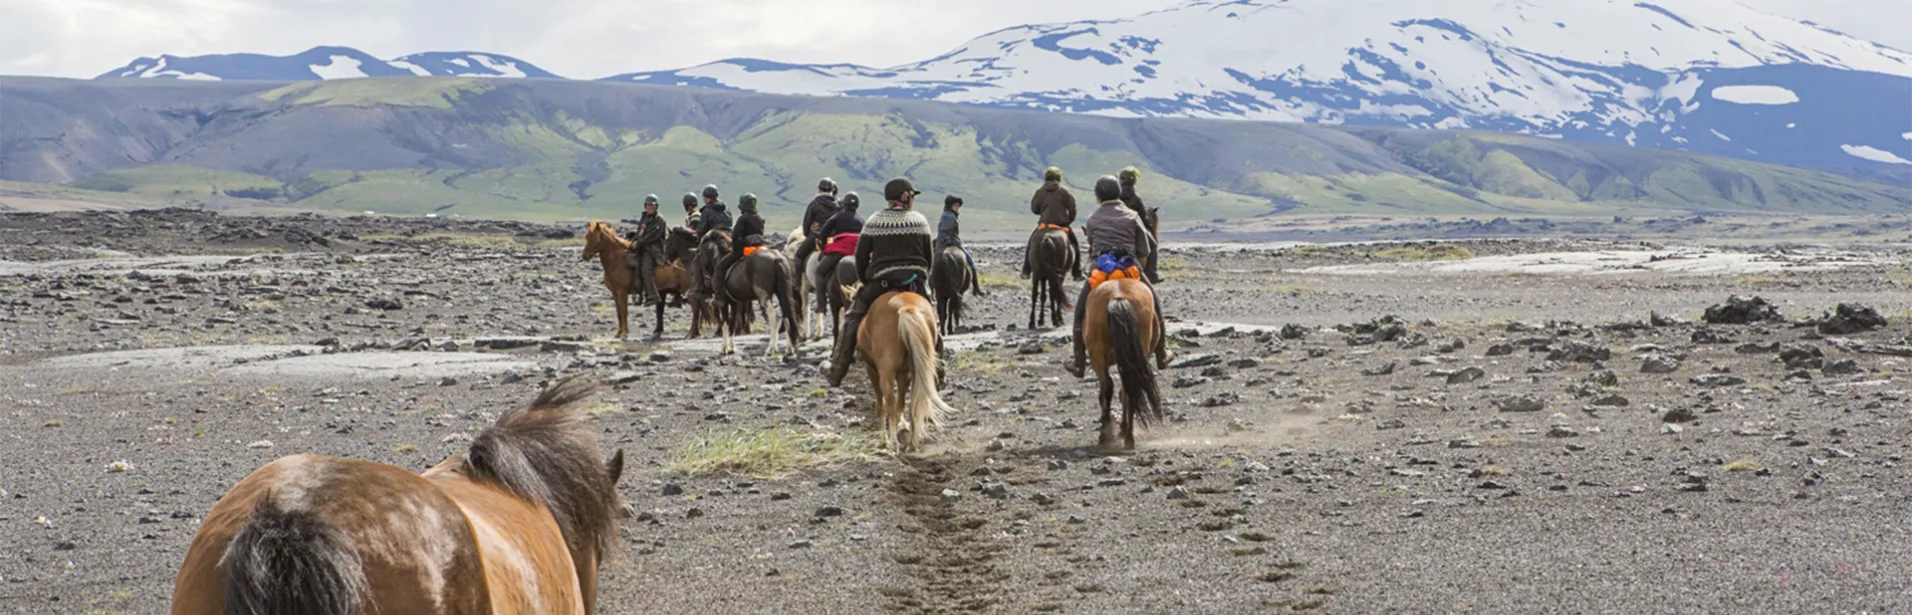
[(1756, 95), (339, 67), (1874, 154)]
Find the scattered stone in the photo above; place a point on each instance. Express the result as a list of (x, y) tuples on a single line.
[(1679, 415), (1842, 367), (260, 444), (1576, 351), (1520, 403), (1227, 398), (1659, 365), (1391, 424), (1741, 310), (829, 511), (1670, 428), (1178, 493), (671, 489), (1500, 350), (1031, 347), (1247, 363), (1562, 431), (1605, 378), (1293, 332), (1466, 374), (1612, 401), (1848, 319), (561, 346), (1661, 320), (385, 304), (1704, 335), (1756, 348), (1379, 371), (1802, 356), (1184, 382), (1450, 346), (1717, 380), (1198, 360)]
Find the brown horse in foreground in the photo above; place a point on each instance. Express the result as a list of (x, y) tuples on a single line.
[(1119, 329), (518, 525), (897, 342), (1049, 259), (613, 252)]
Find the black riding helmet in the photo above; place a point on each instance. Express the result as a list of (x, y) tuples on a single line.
[(827, 185), (710, 191), (1107, 188), (747, 203), (850, 201), (690, 199)]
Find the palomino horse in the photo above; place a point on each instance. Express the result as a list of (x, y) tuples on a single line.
[(520, 525), (897, 341), (601, 240), (1119, 329), (949, 277), (1049, 260), (764, 276)]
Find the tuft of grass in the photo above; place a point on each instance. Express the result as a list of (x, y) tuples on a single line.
[(1493, 471), (970, 360), (1173, 263), (407, 447), (769, 454), (1000, 280), (1740, 465)]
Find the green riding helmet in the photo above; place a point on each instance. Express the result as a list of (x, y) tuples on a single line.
[(1052, 174), (1129, 176), (747, 203)]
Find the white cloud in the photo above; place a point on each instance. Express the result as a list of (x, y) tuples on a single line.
[(597, 38)]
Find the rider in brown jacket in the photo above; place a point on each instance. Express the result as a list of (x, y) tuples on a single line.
[(1057, 208)]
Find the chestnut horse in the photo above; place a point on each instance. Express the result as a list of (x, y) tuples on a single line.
[(519, 525), (897, 342), (1119, 328), (613, 252)]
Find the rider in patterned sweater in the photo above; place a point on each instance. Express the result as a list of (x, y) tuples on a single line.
[(1113, 229), (892, 255)]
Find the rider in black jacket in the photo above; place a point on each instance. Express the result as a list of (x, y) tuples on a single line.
[(748, 232), (647, 250)]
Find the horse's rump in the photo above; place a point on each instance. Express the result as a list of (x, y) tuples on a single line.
[(291, 563)]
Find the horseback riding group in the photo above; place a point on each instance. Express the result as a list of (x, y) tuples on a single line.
[(521, 522)]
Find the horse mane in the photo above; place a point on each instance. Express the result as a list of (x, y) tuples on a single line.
[(548, 453)]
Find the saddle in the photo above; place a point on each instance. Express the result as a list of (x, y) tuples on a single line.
[(844, 244), (1115, 265)]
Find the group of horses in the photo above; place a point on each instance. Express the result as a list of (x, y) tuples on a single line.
[(521, 522)]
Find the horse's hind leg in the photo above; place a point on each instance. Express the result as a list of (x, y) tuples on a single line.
[(888, 413), (1105, 394), (623, 301), (1035, 299)]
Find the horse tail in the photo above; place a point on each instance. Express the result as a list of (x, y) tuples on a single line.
[(291, 563), (1132, 362), (917, 328)]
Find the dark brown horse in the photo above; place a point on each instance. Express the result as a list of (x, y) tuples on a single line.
[(764, 276), (840, 286), (703, 267), (1049, 259), (517, 525), (949, 277), (1119, 330)]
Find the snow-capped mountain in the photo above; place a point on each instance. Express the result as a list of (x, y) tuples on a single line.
[(326, 63), (1705, 75)]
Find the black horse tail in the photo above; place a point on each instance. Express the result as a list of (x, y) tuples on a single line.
[(291, 563), (1132, 363)]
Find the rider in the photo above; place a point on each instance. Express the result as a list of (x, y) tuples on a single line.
[(819, 211), (840, 230), (690, 211), (1128, 176), (892, 255), (1112, 228), (647, 249), (1057, 208), (950, 234), (748, 232), (714, 216)]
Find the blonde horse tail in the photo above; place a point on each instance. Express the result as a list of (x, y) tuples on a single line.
[(1139, 393), (291, 563), (917, 328)]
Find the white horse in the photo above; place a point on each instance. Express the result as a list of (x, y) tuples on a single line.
[(808, 280)]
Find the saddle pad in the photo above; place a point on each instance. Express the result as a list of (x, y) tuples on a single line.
[(1051, 227), (842, 245), (749, 250), (1113, 267)]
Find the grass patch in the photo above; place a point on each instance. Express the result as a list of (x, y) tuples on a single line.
[(1292, 289), (1172, 263), (1416, 253), (405, 448), (462, 240), (770, 453), (970, 360), (999, 280), (1740, 465)]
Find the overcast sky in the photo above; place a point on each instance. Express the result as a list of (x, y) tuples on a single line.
[(598, 38)]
